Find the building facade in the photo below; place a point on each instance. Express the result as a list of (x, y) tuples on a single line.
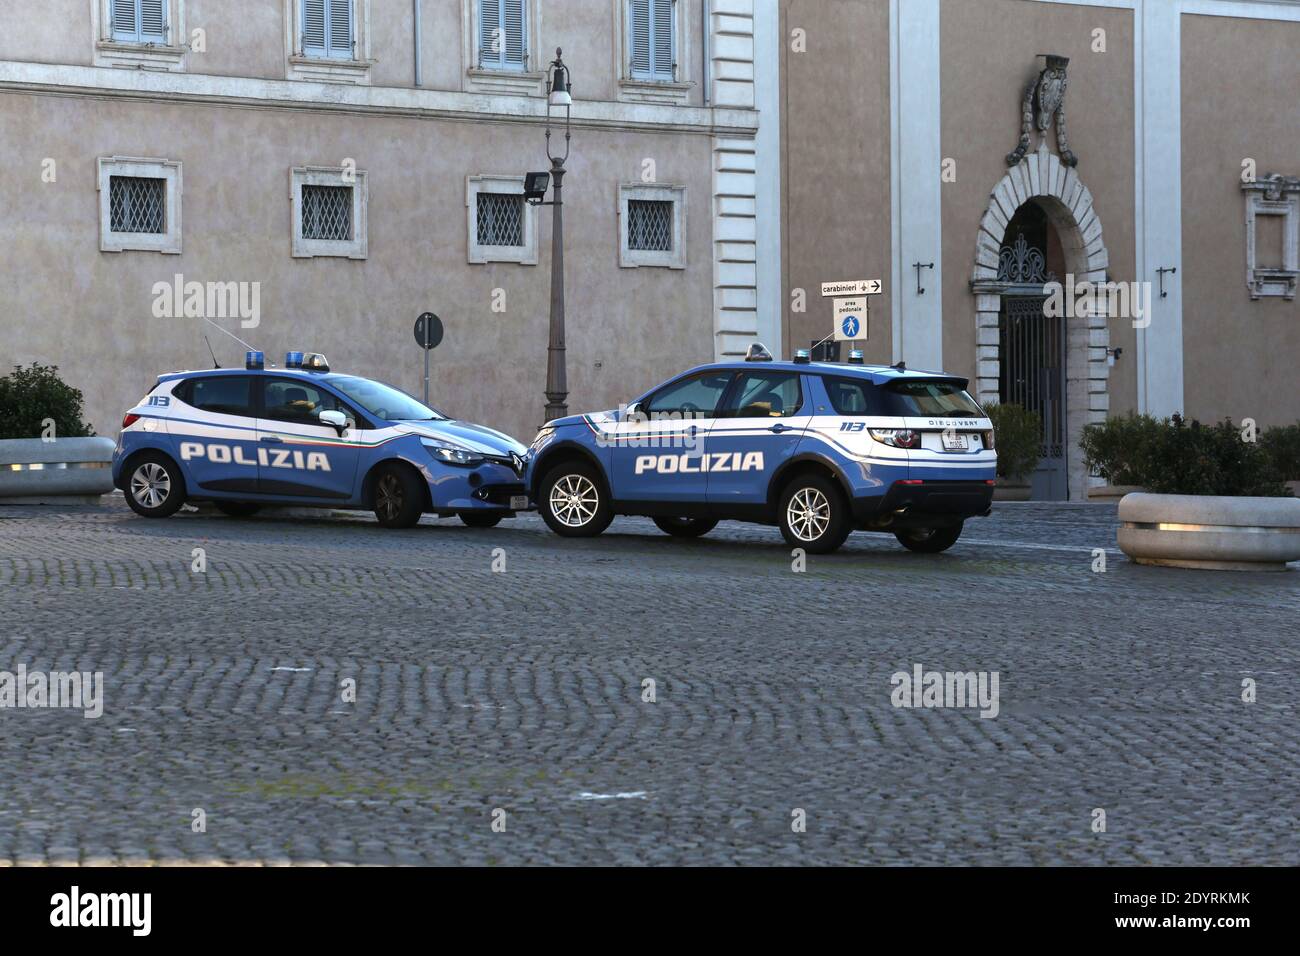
[(317, 173), (1086, 206), (1174, 188)]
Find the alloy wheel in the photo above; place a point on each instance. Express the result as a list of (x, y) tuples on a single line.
[(150, 485), (388, 497), (574, 500), (808, 514)]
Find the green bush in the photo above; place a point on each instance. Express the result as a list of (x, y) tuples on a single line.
[(1018, 440), (1282, 445), (28, 396), (1179, 457)]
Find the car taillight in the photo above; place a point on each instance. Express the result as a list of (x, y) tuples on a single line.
[(988, 439), (128, 420), (897, 437)]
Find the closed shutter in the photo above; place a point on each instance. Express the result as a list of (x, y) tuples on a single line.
[(665, 63), (125, 24), (512, 26), (639, 37), (313, 27), (490, 42), (340, 28), (153, 21)]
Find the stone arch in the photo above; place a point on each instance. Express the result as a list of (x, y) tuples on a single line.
[(1041, 178)]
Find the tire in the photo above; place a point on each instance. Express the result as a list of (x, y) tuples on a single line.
[(814, 514), (685, 527), (155, 487), (398, 498), (237, 509), (573, 501), (929, 540), (481, 519)]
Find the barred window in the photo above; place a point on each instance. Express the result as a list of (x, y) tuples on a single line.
[(650, 225), (137, 204), (500, 219), (327, 212)]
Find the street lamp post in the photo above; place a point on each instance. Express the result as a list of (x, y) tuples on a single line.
[(557, 97)]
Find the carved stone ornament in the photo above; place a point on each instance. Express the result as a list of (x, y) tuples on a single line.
[(1043, 104), (1273, 195)]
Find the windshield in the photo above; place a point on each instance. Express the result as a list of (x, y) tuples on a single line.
[(384, 401), (935, 399)]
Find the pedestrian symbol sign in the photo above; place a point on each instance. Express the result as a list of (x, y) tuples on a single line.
[(851, 319)]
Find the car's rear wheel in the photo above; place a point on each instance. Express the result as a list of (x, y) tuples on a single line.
[(155, 487), (573, 501), (398, 497), (929, 540), (238, 509), (481, 519), (814, 514), (685, 527)]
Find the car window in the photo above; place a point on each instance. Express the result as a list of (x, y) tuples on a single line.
[(384, 401), (936, 399), (905, 399), (695, 397), (765, 395), (221, 394), (295, 400)]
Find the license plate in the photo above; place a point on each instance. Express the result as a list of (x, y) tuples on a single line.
[(955, 442), (518, 502)]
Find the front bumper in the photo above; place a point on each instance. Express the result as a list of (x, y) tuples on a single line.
[(924, 504), (485, 487)]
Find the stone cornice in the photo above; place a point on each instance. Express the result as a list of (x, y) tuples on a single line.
[(248, 92)]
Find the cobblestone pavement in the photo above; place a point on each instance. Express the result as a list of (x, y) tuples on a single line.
[(522, 690)]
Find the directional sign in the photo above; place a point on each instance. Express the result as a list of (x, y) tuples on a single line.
[(851, 319), (428, 330), (852, 287)]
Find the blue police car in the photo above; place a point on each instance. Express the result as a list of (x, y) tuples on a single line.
[(820, 449), (306, 436)]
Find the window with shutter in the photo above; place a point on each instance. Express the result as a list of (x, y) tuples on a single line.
[(327, 28), (652, 28), (139, 21), (502, 34)]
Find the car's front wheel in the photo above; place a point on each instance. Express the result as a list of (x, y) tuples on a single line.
[(814, 514), (155, 487), (398, 497), (573, 502), (685, 527), (929, 540), (481, 519)]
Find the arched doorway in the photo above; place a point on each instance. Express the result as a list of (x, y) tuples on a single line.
[(1040, 228)]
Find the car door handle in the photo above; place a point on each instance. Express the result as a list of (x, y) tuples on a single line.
[(272, 439), (780, 428)]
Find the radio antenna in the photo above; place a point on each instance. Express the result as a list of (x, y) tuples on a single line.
[(215, 363), (227, 332)]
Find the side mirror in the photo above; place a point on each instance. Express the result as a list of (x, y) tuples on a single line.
[(634, 409), (335, 419)]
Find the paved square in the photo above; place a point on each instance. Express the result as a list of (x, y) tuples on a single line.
[(522, 690)]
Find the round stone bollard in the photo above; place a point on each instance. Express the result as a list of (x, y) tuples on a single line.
[(1209, 531), (33, 470)]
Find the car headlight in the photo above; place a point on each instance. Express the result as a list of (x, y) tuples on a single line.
[(545, 432), (450, 454)]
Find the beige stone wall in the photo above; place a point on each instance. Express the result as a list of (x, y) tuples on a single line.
[(835, 143), (90, 312), (246, 38), (985, 72), (1239, 356)]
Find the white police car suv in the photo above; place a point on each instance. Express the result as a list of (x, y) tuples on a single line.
[(302, 435), (819, 449)]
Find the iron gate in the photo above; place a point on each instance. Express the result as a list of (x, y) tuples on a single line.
[(1032, 375)]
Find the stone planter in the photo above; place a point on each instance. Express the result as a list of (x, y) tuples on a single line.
[(33, 471), (1007, 490), (1207, 531), (1111, 494)]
